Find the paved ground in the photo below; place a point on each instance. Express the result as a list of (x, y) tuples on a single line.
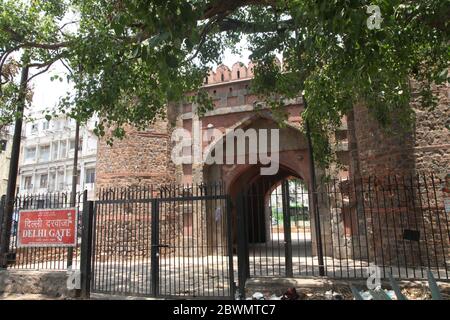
[(15, 296), (209, 275)]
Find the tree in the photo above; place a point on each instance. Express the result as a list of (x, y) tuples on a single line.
[(138, 55), (27, 31)]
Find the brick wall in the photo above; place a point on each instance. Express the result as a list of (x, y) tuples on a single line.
[(425, 149), (142, 157)]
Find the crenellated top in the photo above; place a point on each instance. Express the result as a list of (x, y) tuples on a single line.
[(238, 71)]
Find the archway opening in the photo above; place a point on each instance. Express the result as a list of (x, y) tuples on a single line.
[(277, 222)]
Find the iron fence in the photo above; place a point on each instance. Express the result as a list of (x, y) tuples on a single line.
[(397, 223), (163, 241), (42, 258), (191, 240)]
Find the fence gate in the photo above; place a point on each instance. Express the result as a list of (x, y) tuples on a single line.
[(167, 242), (275, 230), (398, 224)]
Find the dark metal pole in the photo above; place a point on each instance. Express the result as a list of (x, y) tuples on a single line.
[(314, 195), (86, 247), (73, 195), (287, 228), (13, 168), (243, 265), (155, 248), (230, 247)]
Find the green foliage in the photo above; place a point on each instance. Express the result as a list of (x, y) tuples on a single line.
[(27, 28), (128, 58)]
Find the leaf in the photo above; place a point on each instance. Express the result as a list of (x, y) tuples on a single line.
[(186, 11), (144, 53), (158, 39), (136, 52), (118, 28), (171, 61)]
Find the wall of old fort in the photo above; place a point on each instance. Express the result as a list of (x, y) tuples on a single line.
[(144, 157), (141, 158), (425, 149)]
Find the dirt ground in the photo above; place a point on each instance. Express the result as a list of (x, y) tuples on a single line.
[(15, 296)]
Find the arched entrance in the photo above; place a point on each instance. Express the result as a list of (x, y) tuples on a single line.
[(273, 223), (270, 213)]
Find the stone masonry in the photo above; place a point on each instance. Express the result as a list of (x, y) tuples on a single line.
[(365, 149)]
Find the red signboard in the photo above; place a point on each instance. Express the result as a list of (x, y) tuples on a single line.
[(47, 228)]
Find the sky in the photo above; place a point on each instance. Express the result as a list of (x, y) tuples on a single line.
[(47, 93)]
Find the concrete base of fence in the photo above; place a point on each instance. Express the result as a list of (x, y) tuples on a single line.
[(50, 284), (102, 296), (278, 286)]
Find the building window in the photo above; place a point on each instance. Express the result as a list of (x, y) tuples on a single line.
[(72, 145), (30, 154), (27, 183), (52, 181), (62, 150), (3, 145), (55, 150), (45, 125), (90, 176), (34, 128), (57, 125), (69, 176), (60, 181), (44, 153), (43, 181)]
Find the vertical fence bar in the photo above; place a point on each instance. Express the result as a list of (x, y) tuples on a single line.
[(86, 247), (155, 248), (2, 211), (229, 236), (243, 270), (287, 228), (439, 226)]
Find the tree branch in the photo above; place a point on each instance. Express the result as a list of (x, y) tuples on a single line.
[(220, 7), (40, 72), (48, 46), (249, 27), (47, 63)]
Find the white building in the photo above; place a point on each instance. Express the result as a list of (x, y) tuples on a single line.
[(47, 153), (6, 135)]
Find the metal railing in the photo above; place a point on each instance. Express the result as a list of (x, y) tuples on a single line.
[(163, 241), (42, 258), (397, 223), (195, 240)]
